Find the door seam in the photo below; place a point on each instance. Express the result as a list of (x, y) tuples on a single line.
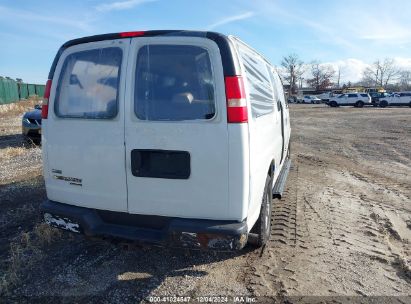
[(124, 119)]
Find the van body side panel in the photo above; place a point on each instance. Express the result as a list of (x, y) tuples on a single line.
[(265, 139), (239, 173), (151, 125), (44, 142), (84, 132)]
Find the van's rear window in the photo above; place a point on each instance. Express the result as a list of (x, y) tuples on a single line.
[(88, 84), (173, 82)]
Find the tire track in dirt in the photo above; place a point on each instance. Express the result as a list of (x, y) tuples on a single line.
[(325, 229)]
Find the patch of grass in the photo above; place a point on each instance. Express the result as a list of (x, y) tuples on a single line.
[(11, 152), (24, 252), (19, 107), (45, 234)]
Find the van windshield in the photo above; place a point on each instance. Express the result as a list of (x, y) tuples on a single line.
[(173, 82)]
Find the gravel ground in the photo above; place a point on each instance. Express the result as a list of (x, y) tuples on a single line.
[(343, 229)]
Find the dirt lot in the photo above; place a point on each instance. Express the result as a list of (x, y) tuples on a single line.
[(343, 229)]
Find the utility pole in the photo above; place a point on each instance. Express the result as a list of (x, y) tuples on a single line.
[(339, 76)]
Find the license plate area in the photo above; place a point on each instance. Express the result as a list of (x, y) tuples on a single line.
[(61, 222)]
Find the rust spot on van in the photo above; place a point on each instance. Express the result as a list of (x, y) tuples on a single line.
[(211, 241)]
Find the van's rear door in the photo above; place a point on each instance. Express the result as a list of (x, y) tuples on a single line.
[(176, 129), (84, 132)]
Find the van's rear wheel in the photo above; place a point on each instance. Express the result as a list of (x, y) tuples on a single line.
[(383, 103), (262, 227)]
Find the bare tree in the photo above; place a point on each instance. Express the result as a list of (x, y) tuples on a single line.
[(404, 81), (322, 75), (371, 74), (380, 73), (294, 68), (389, 71)]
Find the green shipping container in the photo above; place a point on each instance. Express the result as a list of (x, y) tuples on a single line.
[(40, 90), (8, 91), (2, 92), (32, 89), (23, 90), (12, 91)]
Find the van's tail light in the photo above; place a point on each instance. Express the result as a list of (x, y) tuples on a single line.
[(236, 99), (45, 106)]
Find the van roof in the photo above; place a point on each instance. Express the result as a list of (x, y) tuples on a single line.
[(231, 66)]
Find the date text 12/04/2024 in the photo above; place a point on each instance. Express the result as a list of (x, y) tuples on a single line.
[(200, 299)]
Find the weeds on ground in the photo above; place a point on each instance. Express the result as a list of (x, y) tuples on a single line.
[(17, 213), (25, 251), (11, 152), (19, 107)]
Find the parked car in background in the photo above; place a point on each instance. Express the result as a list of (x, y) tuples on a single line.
[(311, 99), (292, 99), (325, 97), (376, 96), (396, 99), (31, 125), (351, 99)]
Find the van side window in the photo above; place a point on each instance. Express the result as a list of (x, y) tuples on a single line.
[(88, 84), (278, 89), (258, 79), (173, 83), (275, 88), (281, 90)]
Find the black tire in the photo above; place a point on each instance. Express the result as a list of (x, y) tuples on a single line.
[(410, 104), (263, 225), (383, 103), (359, 104), (333, 104)]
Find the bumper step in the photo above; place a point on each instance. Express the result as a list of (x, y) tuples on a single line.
[(279, 186), (220, 235)]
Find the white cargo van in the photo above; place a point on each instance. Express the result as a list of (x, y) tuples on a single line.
[(168, 137)]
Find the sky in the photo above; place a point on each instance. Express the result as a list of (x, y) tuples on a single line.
[(348, 34)]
